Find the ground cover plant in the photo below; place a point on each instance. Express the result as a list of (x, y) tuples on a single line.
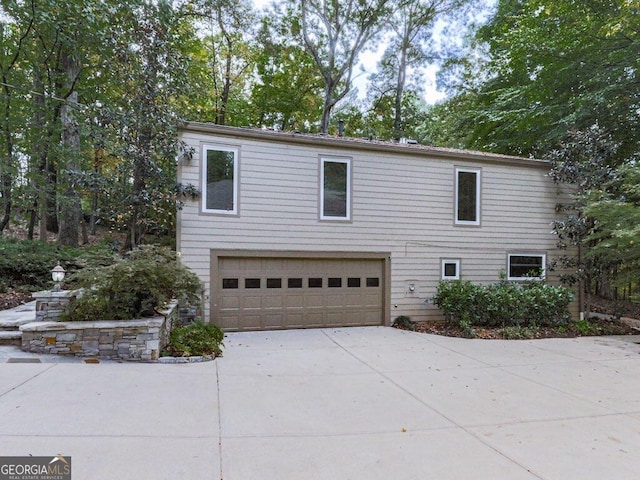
[(26, 265), (197, 338)]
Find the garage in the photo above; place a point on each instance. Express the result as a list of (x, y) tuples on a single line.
[(259, 291)]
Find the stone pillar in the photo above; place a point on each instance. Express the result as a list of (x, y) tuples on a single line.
[(50, 305)]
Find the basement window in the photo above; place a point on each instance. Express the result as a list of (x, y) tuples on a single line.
[(450, 269), (526, 266)]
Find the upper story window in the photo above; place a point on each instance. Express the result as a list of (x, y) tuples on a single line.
[(220, 180), (467, 203), (335, 190), (526, 266)]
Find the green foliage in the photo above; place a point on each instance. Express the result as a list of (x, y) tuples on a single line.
[(603, 217), (614, 210), (405, 323), (146, 279), (585, 328), (503, 304), (28, 264), (553, 67), (288, 94), (197, 338), (518, 333), (334, 34)]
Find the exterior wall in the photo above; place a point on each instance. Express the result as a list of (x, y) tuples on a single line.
[(402, 202)]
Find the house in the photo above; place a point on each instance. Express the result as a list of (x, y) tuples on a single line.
[(294, 230)]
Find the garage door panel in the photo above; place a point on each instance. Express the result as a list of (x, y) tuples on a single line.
[(293, 318), (273, 321), (370, 300), (335, 319), (313, 301), (335, 300), (370, 317), (230, 302), (230, 322), (315, 319), (251, 322), (294, 301), (250, 302), (255, 293), (273, 301)]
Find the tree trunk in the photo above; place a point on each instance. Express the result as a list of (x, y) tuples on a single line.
[(398, 131), (7, 165), (134, 234), (329, 103), (70, 210)]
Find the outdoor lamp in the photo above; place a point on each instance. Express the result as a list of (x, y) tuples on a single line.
[(57, 274)]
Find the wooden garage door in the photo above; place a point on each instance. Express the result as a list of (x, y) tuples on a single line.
[(277, 293)]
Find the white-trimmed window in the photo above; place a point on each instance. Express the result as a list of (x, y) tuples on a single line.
[(450, 269), (526, 266), (467, 196), (220, 179), (335, 189)]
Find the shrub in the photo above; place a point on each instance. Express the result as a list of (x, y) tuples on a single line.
[(506, 304), (197, 338), (146, 279), (28, 263), (459, 300)]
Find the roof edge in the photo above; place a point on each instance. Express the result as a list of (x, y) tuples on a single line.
[(360, 144)]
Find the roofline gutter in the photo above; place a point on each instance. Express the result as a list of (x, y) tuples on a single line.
[(364, 145)]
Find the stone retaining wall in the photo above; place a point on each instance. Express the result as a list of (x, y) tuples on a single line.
[(140, 340)]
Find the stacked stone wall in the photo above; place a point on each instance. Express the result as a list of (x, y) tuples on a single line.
[(138, 340)]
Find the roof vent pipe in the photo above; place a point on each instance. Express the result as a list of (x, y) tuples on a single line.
[(341, 128)]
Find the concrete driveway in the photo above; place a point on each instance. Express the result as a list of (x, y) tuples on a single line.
[(358, 403)]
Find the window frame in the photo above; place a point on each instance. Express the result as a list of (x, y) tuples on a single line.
[(444, 262), (347, 162), (478, 173), (542, 256), (236, 180)]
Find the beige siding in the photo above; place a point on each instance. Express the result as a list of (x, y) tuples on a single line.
[(402, 203)]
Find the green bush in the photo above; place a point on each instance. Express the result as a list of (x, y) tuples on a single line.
[(459, 301), (503, 304), (145, 280), (404, 323), (27, 263), (197, 338)]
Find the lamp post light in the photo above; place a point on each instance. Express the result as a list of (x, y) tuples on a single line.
[(57, 274)]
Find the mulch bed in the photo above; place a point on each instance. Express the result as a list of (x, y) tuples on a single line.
[(14, 298), (601, 327)]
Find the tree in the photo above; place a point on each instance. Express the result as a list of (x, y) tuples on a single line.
[(335, 33), (151, 68), (614, 208), (12, 40), (555, 67), (287, 93), (228, 53), (583, 161), (410, 46)]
